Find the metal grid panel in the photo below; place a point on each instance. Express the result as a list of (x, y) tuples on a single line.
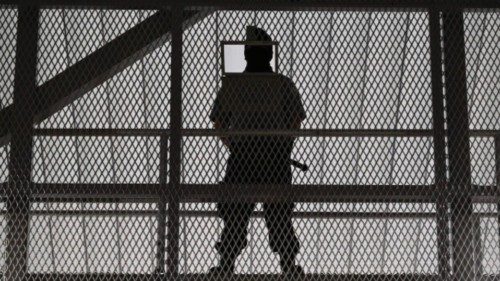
[(105, 237), (8, 30), (342, 230), (487, 244), (116, 172), (482, 81), (136, 97), (339, 161), (3, 233), (4, 160), (482, 45), (96, 160), (7, 58), (483, 161), (343, 71), (325, 69), (65, 34)]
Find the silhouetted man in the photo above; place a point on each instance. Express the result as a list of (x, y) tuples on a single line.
[(258, 159)]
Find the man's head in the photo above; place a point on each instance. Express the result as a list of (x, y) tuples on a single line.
[(258, 54)]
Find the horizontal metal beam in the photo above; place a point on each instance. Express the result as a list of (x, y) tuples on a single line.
[(271, 277), (305, 193), (242, 277), (252, 193), (97, 67), (102, 132), (258, 214), (214, 133), (211, 132), (94, 191), (92, 276), (336, 277), (270, 5), (342, 215), (307, 133), (484, 194), (484, 133), (97, 192)]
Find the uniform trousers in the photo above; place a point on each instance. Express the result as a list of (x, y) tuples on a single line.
[(236, 215)]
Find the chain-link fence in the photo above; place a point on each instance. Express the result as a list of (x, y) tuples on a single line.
[(127, 151)]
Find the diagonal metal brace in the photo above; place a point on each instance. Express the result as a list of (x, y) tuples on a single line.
[(98, 66)]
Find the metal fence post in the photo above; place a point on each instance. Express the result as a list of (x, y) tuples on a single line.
[(162, 202), (18, 190), (478, 251), (439, 144), (459, 191), (497, 174), (175, 142)]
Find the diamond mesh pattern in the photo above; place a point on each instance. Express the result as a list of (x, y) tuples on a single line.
[(96, 160), (136, 97), (8, 19), (119, 162), (77, 34), (481, 63), (484, 115), (8, 30), (4, 160), (104, 238)]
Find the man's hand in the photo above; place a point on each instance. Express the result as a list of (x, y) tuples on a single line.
[(218, 125), (296, 124)]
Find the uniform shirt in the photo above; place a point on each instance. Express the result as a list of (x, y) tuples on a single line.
[(261, 159)]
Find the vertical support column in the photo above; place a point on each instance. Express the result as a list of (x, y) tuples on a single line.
[(162, 202), (458, 145), (478, 247), (497, 174), (18, 189), (439, 145), (175, 142)]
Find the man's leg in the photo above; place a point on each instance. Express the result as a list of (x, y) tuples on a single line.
[(233, 238), (282, 237)]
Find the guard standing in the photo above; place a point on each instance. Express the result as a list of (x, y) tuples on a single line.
[(258, 99)]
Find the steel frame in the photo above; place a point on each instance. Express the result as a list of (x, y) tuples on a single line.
[(175, 145), (458, 137), (121, 193), (250, 277), (19, 182), (268, 5), (497, 171), (83, 76), (439, 144), (64, 192)]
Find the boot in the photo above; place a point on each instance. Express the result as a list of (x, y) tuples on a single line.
[(226, 265), (222, 270), (288, 267)]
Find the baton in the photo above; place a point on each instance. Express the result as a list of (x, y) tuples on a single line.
[(303, 167), (297, 164)]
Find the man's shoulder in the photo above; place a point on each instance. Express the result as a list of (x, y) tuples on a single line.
[(286, 81), (285, 78)]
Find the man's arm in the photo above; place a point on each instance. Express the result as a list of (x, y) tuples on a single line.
[(296, 124), (295, 107), (218, 125), (220, 119)]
